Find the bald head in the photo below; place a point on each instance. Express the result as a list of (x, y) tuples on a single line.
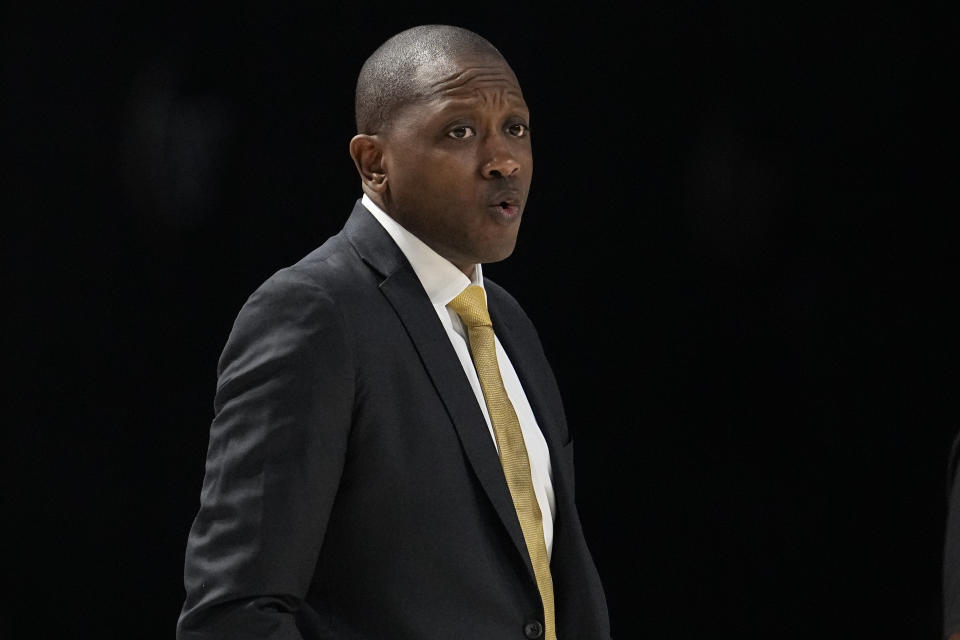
[(389, 79)]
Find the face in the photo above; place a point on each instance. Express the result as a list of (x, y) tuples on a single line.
[(457, 165)]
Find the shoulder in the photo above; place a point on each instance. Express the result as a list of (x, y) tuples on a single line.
[(298, 305), (327, 277), (328, 269)]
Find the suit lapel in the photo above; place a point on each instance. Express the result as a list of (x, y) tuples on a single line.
[(529, 373), (532, 379), (403, 290)]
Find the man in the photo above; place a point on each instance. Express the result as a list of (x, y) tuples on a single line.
[(382, 464)]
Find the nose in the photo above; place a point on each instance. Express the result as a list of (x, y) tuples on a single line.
[(500, 168), (500, 163)]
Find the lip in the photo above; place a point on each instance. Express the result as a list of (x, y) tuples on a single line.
[(507, 193), (506, 205), (507, 213)]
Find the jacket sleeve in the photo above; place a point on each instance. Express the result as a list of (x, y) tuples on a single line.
[(277, 447), (951, 551)]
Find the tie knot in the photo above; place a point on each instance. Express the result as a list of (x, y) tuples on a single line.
[(471, 306)]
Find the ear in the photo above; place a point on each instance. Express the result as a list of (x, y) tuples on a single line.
[(367, 153)]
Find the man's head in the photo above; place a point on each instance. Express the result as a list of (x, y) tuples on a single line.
[(443, 143)]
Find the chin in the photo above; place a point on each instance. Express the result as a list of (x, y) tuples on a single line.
[(497, 255), (480, 253)]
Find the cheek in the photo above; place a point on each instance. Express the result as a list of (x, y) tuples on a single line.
[(447, 177)]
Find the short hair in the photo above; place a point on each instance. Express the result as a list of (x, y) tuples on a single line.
[(387, 80)]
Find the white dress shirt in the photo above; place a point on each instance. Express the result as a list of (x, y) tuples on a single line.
[(443, 282)]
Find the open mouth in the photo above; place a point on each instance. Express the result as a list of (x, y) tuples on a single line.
[(507, 208), (506, 204)]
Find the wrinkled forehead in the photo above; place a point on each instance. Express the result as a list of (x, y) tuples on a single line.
[(466, 77)]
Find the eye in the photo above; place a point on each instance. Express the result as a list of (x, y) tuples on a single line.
[(462, 132), (518, 130)]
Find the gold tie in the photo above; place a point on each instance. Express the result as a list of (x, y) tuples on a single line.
[(471, 306)]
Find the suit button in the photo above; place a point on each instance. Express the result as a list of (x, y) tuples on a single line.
[(533, 630)]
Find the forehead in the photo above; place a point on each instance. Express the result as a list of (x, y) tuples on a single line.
[(469, 79)]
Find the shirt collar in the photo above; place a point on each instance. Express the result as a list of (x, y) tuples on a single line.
[(440, 278)]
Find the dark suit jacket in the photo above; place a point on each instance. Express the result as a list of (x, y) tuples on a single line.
[(951, 549), (352, 488)]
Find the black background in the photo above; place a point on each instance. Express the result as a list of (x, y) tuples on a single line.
[(735, 252)]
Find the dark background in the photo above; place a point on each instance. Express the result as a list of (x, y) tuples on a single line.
[(735, 251)]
